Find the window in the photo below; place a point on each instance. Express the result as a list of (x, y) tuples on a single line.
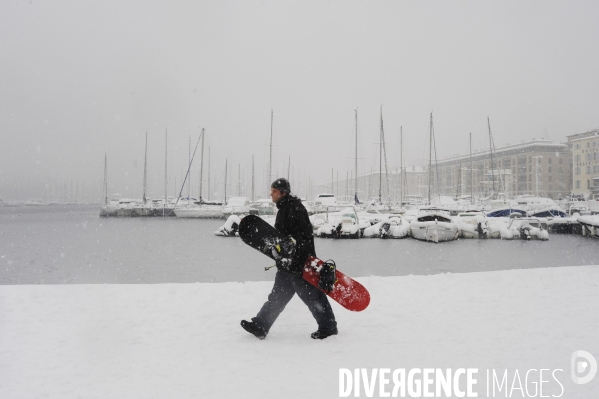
[(588, 169), (588, 144), (588, 184), (550, 169), (577, 183), (577, 170), (577, 146), (577, 157), (549, 160)]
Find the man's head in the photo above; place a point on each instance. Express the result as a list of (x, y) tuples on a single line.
[(279, 189)]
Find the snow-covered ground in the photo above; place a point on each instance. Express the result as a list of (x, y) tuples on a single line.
[(184, 340)]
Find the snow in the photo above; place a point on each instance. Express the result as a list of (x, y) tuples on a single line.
[(184, 340), (592, 220)]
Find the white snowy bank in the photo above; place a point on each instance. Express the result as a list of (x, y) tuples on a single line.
[(184, 340)]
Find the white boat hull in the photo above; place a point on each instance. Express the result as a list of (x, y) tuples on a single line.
[(525, 229), (108, 210), (434, 231), (206, 212)]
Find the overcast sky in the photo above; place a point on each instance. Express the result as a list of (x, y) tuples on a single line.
[(81, 78)]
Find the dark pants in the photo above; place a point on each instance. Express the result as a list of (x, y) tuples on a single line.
[(286, 285)]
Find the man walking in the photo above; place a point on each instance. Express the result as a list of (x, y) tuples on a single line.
[(292, 221)]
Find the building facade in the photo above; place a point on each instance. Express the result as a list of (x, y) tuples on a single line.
[(585, 163), (537, 167)]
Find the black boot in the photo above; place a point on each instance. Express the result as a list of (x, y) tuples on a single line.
[(322, 334), (254, 329)]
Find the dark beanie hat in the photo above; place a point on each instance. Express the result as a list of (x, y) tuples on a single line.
[(282, 185)]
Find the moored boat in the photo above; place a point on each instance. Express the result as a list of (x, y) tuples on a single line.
[(342, 224), (435, 226), (199, 211), (525, 228), (590, 225), (394, 226), (236, 206), (475, 224)]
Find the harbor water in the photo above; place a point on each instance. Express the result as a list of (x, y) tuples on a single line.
[(71, 245)]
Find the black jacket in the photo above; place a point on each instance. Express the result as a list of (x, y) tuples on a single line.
[(292, 220)]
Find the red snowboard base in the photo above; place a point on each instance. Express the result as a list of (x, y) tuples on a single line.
[(347, 292)]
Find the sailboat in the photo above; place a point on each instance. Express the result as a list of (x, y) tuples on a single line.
[(200, 208), (108, 208), (433, 224), (144, 208), (356, 200), (164, 206)]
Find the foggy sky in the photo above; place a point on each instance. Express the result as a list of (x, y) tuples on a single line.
[(82, 78)]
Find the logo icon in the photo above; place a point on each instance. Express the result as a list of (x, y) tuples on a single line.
[(583, 363)]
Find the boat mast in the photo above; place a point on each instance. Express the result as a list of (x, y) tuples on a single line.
[(209, 193), (356, 163), (491, 149), (385, 154), (201, 166), (105, 181), (145, 169), (186, 176), (165, 175), (189, 181), (471, 174), (459, 189), (401, 185), (270, 159), (430, 157), (381, 157), (346, 185)]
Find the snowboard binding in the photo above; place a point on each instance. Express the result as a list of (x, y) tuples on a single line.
[(280, 247), (328, 276), (282, 250)]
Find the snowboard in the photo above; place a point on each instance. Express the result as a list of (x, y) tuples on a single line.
[(260, 235)]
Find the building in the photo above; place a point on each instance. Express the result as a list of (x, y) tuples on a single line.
[(585, 163), (537, 167)]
